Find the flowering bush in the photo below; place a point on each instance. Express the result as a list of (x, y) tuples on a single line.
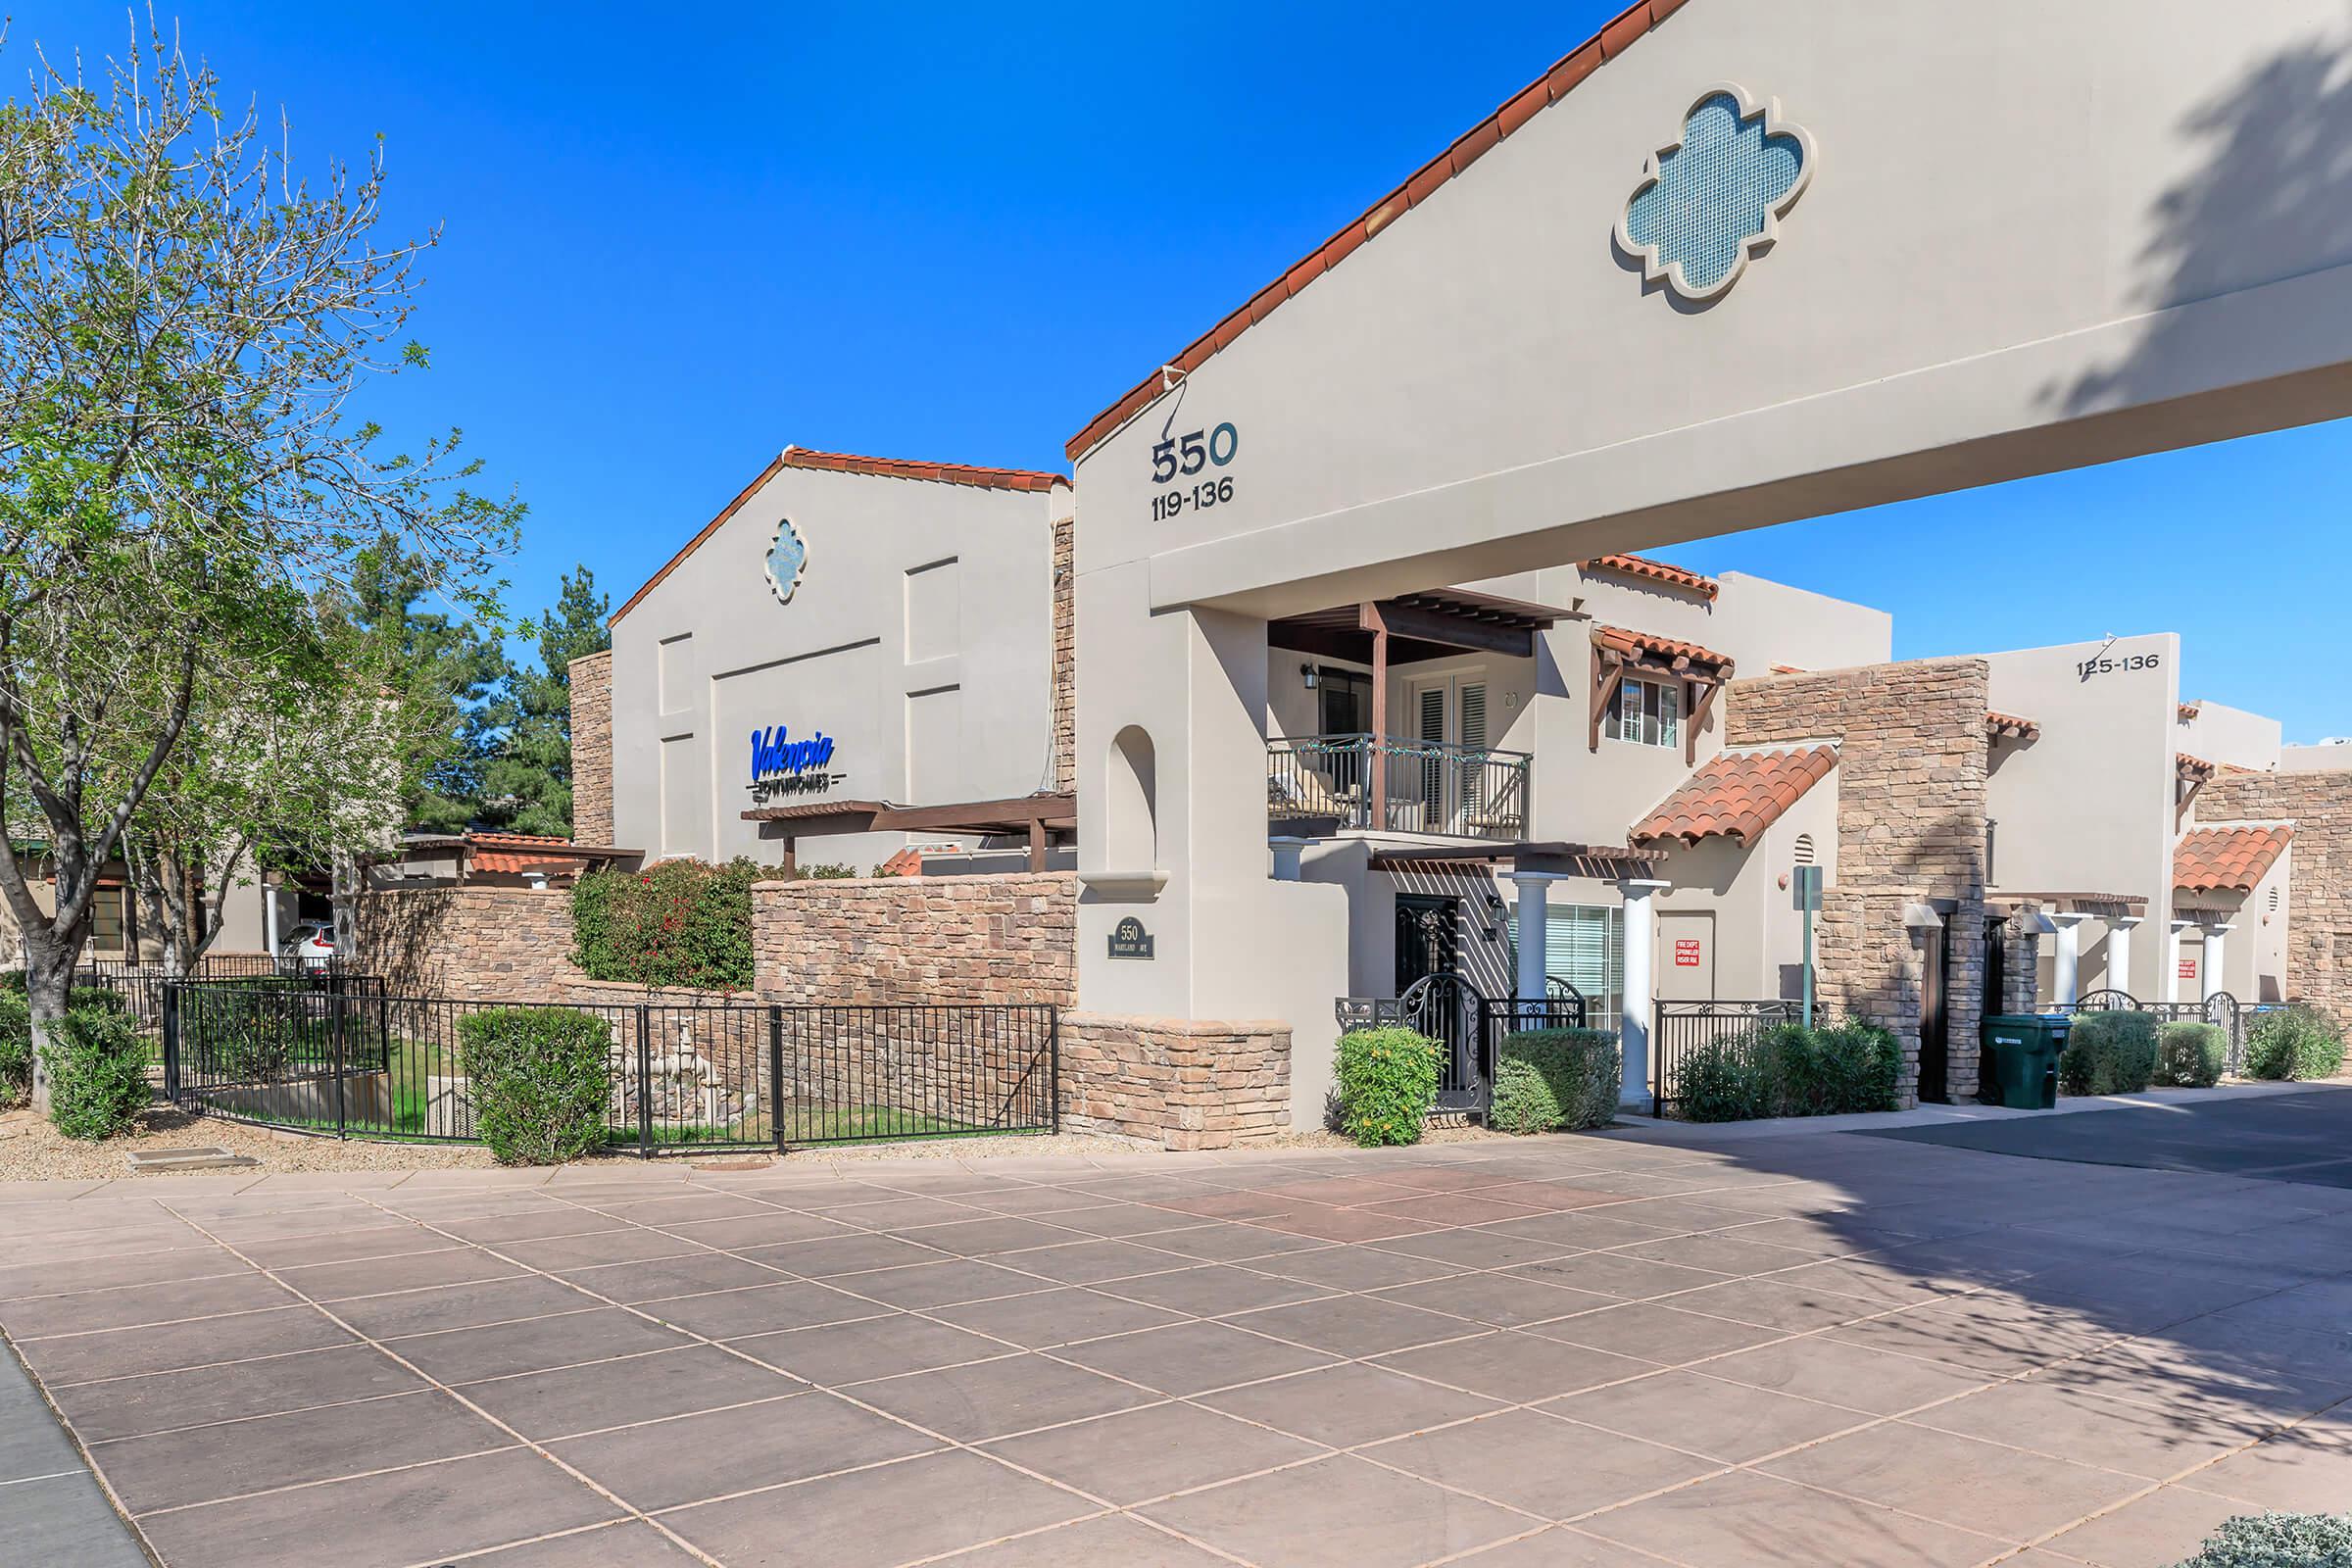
[(677, 923)]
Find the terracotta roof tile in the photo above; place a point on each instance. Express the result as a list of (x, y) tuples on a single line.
[(513, 852), (1613, 39), (2187, 710), (2210, 860), (1999, 724), (2192, 768), (847, 463), (1736, 795), (1669, 648), (1656, 571)]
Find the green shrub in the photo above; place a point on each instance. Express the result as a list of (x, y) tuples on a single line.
[(96, 998), (2108, 1053), (540, 1081), (267, 1031), (97, 1074), (1786, 1069), (1727, 1079), (678, 924), (1549, 1079), (16, 1050), (2278, 1540), (1387, 1081), (2294, 1042), (2191, 1054)]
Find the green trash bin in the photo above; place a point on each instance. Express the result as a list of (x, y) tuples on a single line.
[(2024, 1049)]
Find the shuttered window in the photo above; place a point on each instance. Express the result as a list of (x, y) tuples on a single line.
[(1584, 944)]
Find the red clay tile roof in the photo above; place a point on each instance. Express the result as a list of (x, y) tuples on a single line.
[(2187, 711), (513, 853), (2210, 860), (1613, 39), (1788, 670), (1998, 724), (1737, 795), (2191, 767), (1668, 648), (1656, 571), (847, 463)]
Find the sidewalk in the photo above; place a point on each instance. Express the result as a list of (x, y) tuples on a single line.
[(52, 1509)]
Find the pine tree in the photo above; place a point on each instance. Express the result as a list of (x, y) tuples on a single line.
[(527, 781)]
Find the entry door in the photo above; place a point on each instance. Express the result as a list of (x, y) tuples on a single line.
[(1685, 961), (1935, 1013), (1446, 711), (1427, 934)]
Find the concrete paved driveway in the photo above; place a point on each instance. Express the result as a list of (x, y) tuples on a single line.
[(1812, 1349)]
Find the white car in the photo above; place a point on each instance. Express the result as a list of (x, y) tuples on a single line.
[(312, 946)]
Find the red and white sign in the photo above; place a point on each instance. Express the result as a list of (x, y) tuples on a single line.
[(2188, 968), (1686, 953)]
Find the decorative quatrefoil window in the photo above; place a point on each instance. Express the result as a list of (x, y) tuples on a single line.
[(785, 559), (1712, 201)]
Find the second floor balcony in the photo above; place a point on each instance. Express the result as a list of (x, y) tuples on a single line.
[(1334, 783)]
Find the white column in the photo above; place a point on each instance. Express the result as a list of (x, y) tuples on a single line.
[(270, 916), (1641, 988), (2171, 963), (1287, 852), (2209, 976), (2119, 952), (1534, 916), (2067, 980)]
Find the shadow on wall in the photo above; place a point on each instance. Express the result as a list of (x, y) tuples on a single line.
[(401, 938), (2272, 198)]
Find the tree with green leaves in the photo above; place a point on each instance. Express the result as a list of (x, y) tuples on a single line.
[(527, 781), (186, 326)]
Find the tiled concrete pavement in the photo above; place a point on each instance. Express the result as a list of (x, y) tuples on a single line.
[(1577, 1351)]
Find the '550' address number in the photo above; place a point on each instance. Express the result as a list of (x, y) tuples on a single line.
[(1184, 456)]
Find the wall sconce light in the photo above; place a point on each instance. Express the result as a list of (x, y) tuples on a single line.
[(1495, 903), (1306, 673)]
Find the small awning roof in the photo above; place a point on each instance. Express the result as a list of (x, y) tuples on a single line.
[(1736, 795), (2001, 726), (2003, 900), (1602, 862), (2227, 859), (1642, 648), (1435, 623), (821, 818)]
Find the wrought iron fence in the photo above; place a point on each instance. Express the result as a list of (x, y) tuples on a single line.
[(1682, 1028), (1468, 1028), (1398, 786), (359, 1063), (141, 984), (2220, 1010)]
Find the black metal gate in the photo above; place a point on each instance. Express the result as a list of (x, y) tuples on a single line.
[(1468, 1027)]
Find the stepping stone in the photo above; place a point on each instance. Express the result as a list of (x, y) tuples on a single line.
[(201, 1158)]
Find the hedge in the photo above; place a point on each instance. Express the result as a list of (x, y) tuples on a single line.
[(2191, 1054), (15, 1031), (2108, 1053), (540, 1079), (97, 1065), (1551, 1080), (2278, 1540), (678, 924), (1789, 1071), (2295, 1042), (1387, 1084)]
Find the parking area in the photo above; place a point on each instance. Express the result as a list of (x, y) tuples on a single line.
[(1810, 1348)]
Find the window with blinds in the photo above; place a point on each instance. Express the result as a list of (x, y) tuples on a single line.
[(1647, 713), (1584, 944)]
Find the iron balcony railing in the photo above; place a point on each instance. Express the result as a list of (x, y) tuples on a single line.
[(1333, 782)]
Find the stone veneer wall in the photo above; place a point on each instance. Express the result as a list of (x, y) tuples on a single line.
[(476, 943), (1010, 938), (2319, 889), (1181, 1083), (1066, 653), (1911, 823), (592, 748)]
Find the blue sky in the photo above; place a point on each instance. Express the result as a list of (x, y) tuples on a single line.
[(677, 239)]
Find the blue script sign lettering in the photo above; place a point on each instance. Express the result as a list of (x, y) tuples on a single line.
[(773, 752)]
